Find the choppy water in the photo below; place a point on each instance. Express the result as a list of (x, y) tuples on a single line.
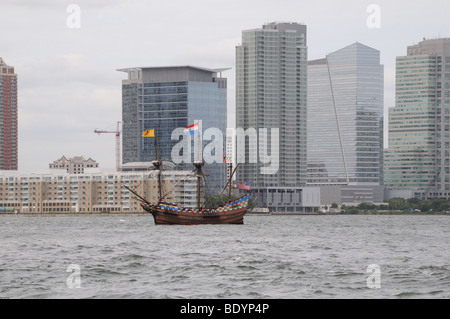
[(267, 257)]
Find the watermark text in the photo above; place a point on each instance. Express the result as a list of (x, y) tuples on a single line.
[(374, 19), (74, 19), (374, 279), (74, 279)]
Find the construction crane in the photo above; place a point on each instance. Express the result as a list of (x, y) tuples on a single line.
[(117, 132)]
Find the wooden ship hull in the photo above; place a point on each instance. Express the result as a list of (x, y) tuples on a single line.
[(168, 214)]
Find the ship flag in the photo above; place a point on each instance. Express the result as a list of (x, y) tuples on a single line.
[(245, 186), (191, 129), (149, 133)]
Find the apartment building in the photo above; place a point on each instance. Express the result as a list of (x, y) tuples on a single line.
[(91, 192), (271, 88)]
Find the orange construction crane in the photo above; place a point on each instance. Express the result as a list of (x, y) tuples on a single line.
[(117, 132)]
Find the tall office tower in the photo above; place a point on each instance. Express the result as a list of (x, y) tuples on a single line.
[(172, 98), (8, 117), (418, 156), (271, 74), (345, 117)]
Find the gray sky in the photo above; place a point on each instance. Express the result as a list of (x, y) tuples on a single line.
[(69, 86)]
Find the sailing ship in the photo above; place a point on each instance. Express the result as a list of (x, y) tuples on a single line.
[(167, 213)]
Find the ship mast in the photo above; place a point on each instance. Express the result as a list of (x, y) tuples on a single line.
[(157, 163), (198, 164), (232, 171), (230, 167)]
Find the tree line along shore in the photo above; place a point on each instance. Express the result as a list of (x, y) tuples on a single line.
[(400, 206)]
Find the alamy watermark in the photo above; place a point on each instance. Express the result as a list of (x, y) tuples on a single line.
[(374, 19), (74, 19), (374, 279), (74, 279), (262, 147)]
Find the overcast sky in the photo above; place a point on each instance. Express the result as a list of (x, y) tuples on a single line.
[(69, 86)]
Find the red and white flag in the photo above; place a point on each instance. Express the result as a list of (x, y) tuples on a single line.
[(245, 186), (191, 129)]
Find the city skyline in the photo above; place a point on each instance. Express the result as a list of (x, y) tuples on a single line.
[(68, 85)]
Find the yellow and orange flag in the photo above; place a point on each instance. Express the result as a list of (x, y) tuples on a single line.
[(149, 133)]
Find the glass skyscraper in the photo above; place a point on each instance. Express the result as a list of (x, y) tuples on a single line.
[(345, 117), (170, 98), (271, 75), (418, 157)]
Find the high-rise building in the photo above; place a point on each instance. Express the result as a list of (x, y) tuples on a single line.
[(345, 117), (271, 75), (172, 98), (418, 156), (8, 117), (271, 97)]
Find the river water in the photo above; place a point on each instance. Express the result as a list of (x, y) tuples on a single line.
[(273, 257)]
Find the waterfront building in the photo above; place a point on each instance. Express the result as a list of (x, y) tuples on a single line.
[(73, 165), (289, 200), (345, 117), (418, 155), (271, 71), (8, 117), (271, 88), (170, 98), (345, 125), (95, 192)]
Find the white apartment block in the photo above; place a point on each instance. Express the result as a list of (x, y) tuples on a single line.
[(56, 192)]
